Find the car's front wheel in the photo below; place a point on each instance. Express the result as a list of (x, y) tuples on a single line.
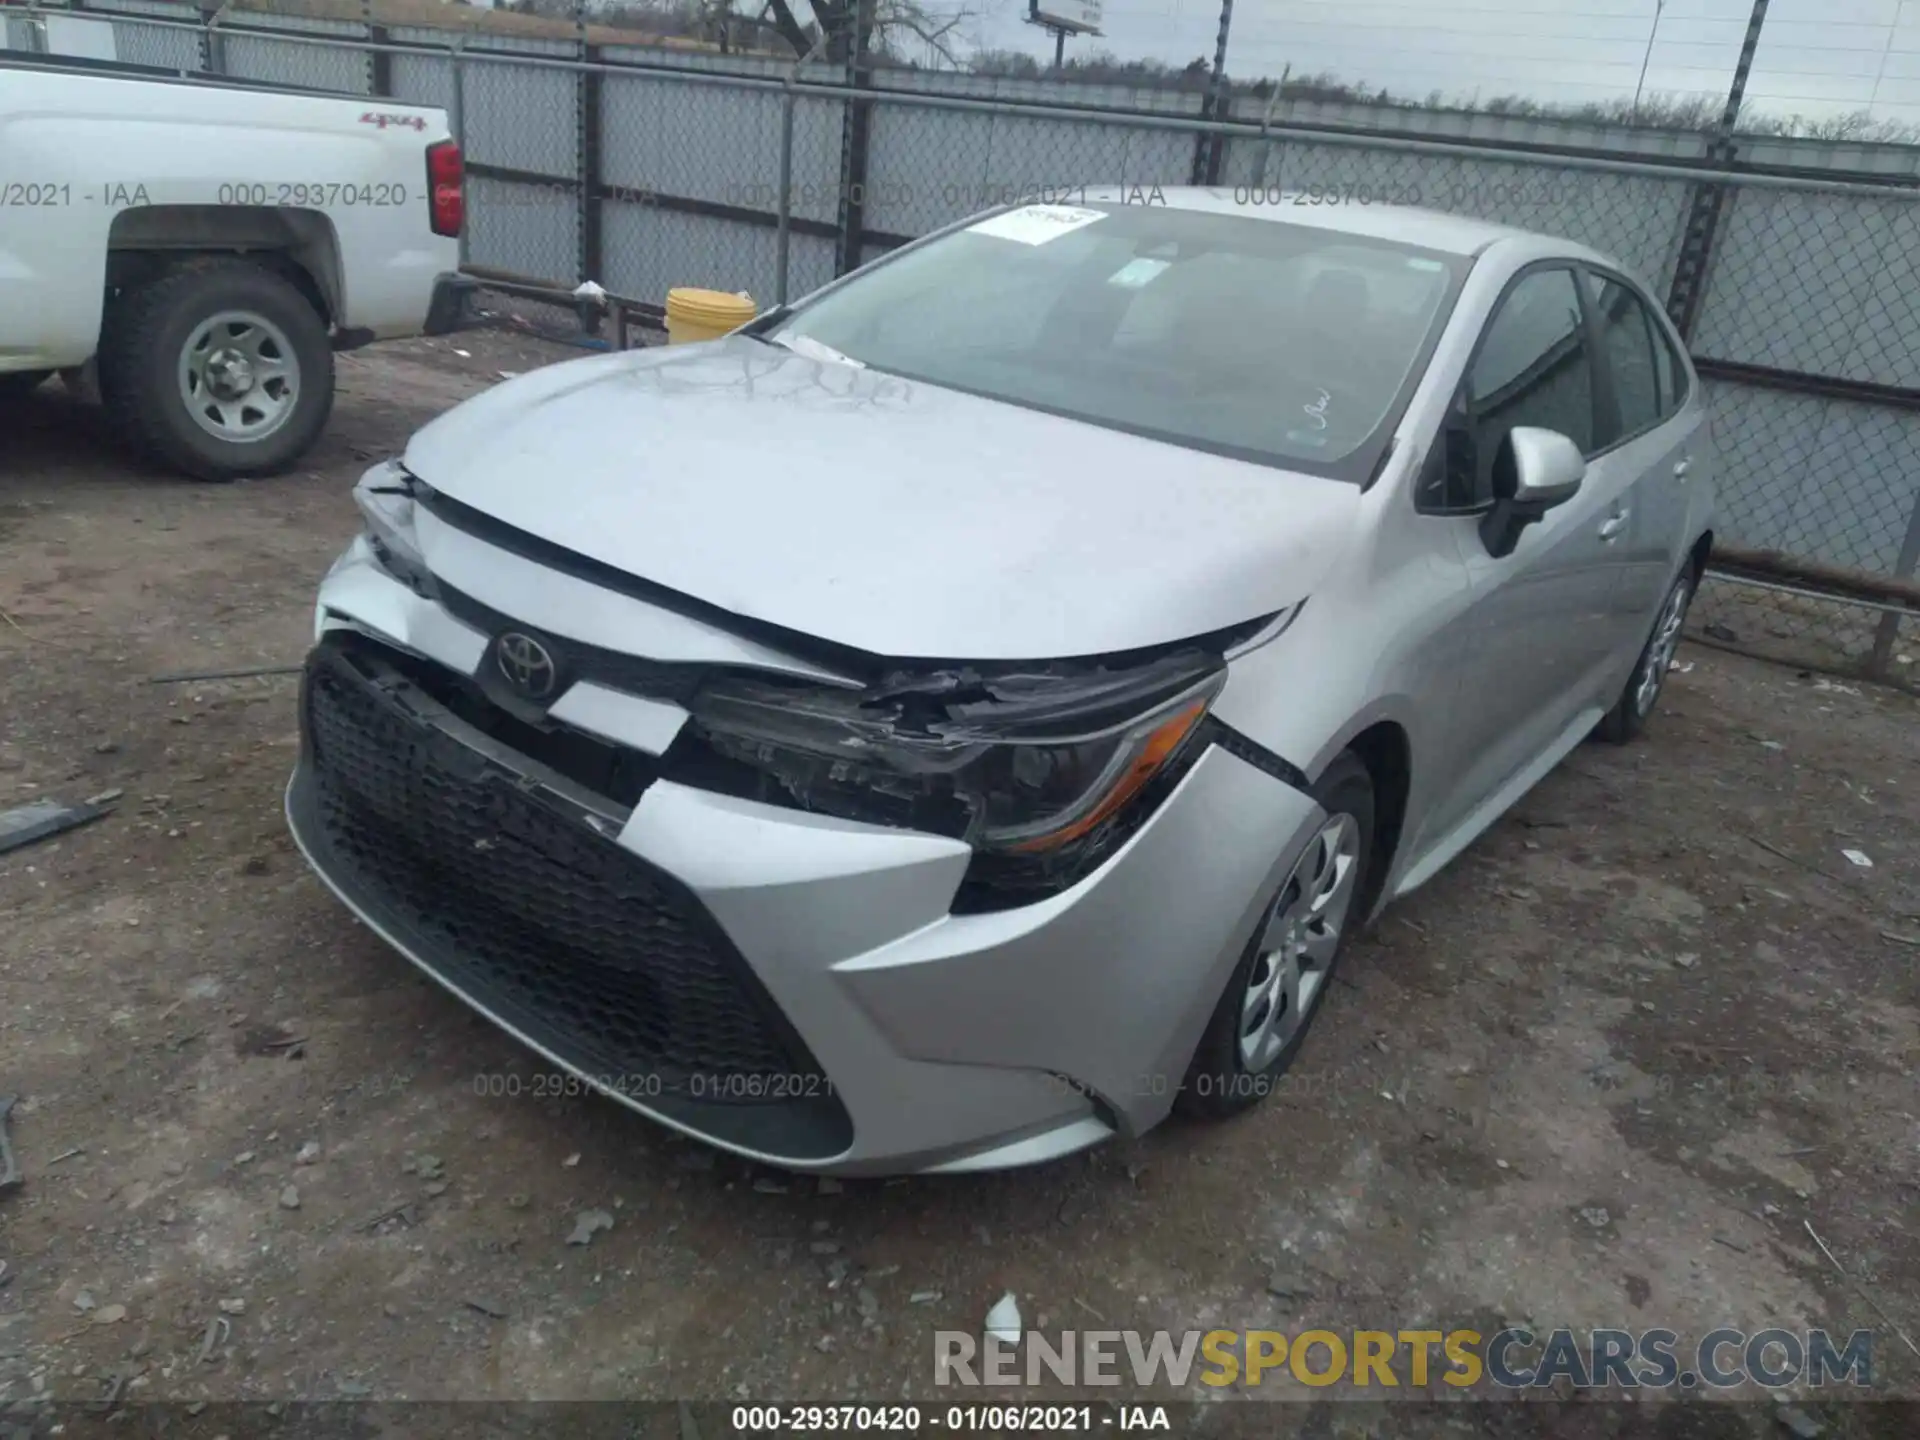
[(1282, 980), (1628, 717)]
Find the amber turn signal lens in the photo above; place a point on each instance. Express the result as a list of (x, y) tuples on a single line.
[(1160, 744)]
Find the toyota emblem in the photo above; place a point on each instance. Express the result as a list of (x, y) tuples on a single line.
[(528, 665)]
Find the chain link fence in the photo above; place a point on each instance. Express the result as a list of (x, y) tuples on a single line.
[(1792, 266)]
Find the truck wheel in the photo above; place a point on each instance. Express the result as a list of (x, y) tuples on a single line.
[(219, 368), (16, 383)]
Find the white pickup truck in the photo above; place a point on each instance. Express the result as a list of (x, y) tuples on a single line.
[(208, 246)]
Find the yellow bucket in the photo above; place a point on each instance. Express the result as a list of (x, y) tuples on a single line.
[(705, 314)]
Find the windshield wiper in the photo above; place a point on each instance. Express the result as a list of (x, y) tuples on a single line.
[(813, 349)]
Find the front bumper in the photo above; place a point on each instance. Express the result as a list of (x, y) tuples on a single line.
[(831, 1014)]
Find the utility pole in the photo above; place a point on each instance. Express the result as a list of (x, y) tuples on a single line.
[(1709, 197), (1737, 91), (1658, 7), (1206, 158)]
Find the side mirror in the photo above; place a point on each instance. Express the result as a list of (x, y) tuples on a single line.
[(1535, 470), (1547, 467)]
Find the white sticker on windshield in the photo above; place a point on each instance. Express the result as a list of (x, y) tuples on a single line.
[(1135, 273), (1037, 224), (1420, 262)]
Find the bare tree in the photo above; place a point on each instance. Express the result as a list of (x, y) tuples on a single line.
[(1692, 112), (877, 29)]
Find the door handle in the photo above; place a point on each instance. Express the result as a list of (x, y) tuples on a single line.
[(1681, 468), (1613, 525)]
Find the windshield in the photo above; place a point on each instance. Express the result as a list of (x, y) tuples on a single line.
[(1291, 345)]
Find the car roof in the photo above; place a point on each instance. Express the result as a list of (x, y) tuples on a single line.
[(1433, 229)]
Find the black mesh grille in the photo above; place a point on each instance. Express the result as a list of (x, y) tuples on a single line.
[(578, 944)]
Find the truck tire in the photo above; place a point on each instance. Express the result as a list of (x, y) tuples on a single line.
[(16, 383), (219, 368)]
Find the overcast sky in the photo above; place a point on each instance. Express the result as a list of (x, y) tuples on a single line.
[(1816, 57)]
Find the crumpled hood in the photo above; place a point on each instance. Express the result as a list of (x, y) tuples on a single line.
[(893, 517)]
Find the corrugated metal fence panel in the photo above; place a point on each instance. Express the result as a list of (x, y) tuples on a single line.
[(422, 80), (138, 44), (651, 250), (720, 145), (1634, 218), (1855, 157), (1829, 480), (929, 167), (306, 67), (1822, 283), (532, 230), (522, 117), (716, 143)]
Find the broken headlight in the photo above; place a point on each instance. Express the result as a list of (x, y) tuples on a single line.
[(1039, 771), (385, 497)]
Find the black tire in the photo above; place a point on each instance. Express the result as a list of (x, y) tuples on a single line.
[(1220, 1082), (149, 327), (17, 384), (1629, 714)]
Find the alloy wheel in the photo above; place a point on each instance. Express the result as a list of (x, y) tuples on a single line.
[(1298, 945), (1660, 650)]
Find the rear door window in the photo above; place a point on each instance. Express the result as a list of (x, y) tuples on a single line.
[(1630, 346)]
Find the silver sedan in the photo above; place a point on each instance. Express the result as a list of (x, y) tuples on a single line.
[(964, 715)]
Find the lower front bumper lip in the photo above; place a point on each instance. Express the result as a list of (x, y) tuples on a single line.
[(995, 1153), (633, 1091)]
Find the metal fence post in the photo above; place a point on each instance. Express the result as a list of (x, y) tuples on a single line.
[(36, 29), (1208, 144), (379, 59), (588, 163), (457, 123), (213, 45), (783, 205), (1704, 213), (856, 134), (1880, 660), (1266, 139)]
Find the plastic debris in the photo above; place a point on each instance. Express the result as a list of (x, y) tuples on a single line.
[(1860, 858), (587, 290), (43, 819), (1003, 1320), (9, 1169), (587, 1224)]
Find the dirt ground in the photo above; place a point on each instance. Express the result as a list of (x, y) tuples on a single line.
[(1601, 1072)]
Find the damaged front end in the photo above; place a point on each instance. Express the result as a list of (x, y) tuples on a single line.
[(1043, 770)]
